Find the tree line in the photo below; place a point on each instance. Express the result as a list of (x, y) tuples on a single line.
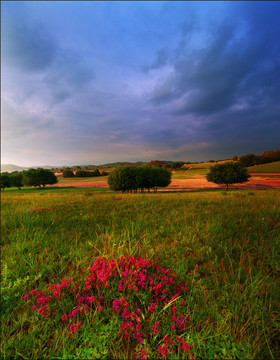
[(33, 177), (266, 157), (138, 178), (83, 173)]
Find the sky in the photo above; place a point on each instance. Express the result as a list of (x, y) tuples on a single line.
[(93, 82)]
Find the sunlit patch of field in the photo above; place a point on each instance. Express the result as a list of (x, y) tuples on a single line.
[(273, 167), (62, 180), (223, 245)]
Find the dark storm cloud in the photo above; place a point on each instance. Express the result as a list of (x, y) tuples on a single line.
[(68, 78), (97, 81), (239, 60), (30, 47)]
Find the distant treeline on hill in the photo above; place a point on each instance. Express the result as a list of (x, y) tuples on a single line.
[(267, 156), (95, 170), (83, 173), (244, 160), (160, 163)]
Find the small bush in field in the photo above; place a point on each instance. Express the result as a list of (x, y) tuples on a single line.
[(68, 173)]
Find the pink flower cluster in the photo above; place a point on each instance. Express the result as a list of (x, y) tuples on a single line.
[(74, 328), (131, 325), (155, 327), (43, 300), (183, 345), (143, 287), (178, 320), (142, 354), (164, 348)]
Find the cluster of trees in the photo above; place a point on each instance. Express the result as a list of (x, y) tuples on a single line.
[(133, 178), (227, 174), (11, 180), (83, 173), (167, 164), (266, 157), (32, 177)]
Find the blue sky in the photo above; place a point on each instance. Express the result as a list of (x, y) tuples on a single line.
[(97, 82)]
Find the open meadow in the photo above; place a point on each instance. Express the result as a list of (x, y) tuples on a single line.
[(88, 273)]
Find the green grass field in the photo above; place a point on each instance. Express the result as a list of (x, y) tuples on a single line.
[(273, 167), (62, 180), (223, 245)]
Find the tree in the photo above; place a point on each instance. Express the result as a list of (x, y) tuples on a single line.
[(5, 181), (95, 172), (163, 177), (133, 178), (121, 178), (67, 173), (248, 160), (156, 163), (16, 180), (227, 174), (175, 165), (81, 173), (39, 177)]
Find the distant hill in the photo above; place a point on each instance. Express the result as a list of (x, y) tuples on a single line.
[(112, 165), (12, 167), (273, 167)]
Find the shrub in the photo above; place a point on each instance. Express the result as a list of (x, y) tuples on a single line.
[(68, 173), (84, 173), (95, 172)]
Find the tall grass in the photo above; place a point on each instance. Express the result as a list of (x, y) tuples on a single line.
[(225, 246)]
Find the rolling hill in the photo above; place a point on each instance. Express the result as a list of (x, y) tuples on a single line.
[(273, 167)]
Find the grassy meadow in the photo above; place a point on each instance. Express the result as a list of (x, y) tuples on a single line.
[(273, 167), (62, 180), (102, 262)]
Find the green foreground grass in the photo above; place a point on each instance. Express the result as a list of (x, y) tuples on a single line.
[(232, 239)]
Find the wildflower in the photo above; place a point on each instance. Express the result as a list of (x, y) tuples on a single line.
[(25, 297), (155, 327), (74, 328), (141, 355), (195, 269), (99, 308), (152, 307), (162, 350)]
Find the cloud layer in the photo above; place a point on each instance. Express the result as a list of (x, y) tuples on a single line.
[(95, 82)]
